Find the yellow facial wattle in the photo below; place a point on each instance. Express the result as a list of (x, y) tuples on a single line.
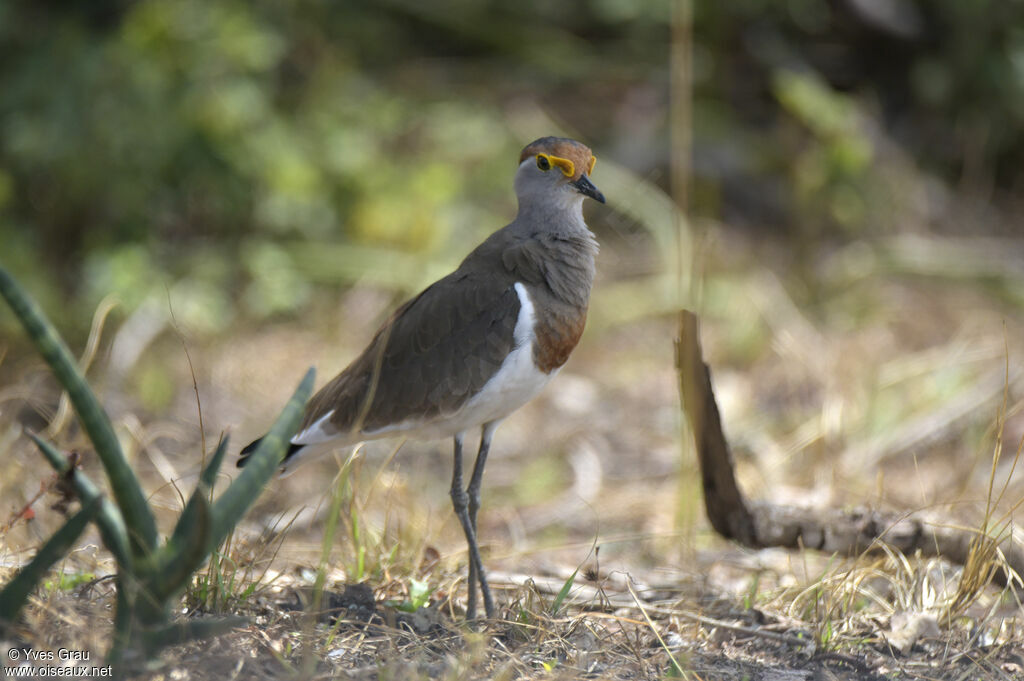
[(547, 161)]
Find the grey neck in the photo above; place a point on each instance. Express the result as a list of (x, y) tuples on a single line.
[(563, 216)]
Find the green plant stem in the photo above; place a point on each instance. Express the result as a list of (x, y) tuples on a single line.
[(149, 578), (14, 596), (111, 524), (186, 524), (130, 498)]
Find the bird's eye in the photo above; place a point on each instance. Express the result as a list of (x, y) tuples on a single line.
[(543, 163)]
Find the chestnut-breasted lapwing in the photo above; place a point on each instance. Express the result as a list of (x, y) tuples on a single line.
[(479, 343)]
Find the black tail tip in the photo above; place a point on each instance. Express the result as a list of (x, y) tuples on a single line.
[(247, 451), (243, 456)]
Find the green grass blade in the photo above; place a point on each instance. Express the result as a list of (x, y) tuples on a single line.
[(563, 593), (186, 550), (127, 491), (239, 496), (209, 474), (187, 521), (193, 523), (109, 520), (16, 593)]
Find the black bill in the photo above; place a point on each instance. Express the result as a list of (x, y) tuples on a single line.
[(587, 188)]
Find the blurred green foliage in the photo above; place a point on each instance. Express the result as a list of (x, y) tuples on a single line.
[(199, 147), (68, 581)]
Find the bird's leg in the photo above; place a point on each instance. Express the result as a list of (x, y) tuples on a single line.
[(460, 502), (474, 506), (478, 470)]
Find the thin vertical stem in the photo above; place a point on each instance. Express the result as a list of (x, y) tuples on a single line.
[(687, 244), (680, 134)]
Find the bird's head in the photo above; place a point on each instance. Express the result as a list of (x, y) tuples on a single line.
[(555, 171)]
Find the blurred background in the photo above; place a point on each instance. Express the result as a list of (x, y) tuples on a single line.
[(259, 183)]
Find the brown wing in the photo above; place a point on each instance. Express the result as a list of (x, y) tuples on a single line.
[(433, 354)]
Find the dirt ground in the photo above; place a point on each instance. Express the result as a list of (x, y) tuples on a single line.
[(831, 399)]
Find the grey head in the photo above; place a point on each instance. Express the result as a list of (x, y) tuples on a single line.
[(554, 175)]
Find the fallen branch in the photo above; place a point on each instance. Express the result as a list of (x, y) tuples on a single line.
[(844, 532)]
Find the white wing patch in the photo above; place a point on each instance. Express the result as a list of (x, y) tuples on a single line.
[(320, 431), (523, 333), (518, 380)]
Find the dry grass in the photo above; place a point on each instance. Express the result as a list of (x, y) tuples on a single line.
[(882, 388)]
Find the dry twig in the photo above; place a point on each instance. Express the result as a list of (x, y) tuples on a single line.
[(844, 532)]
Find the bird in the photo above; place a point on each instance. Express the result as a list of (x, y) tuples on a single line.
[(476, 345)]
